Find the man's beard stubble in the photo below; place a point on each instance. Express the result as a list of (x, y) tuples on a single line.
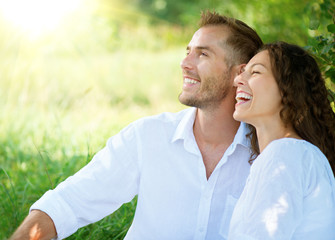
[(211, 93)]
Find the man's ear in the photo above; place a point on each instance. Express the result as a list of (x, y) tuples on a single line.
[(240, 68)]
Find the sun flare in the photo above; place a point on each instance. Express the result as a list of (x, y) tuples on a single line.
[(37, 16)]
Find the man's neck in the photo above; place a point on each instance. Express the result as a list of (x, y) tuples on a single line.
[(215, 126), (214, 131)]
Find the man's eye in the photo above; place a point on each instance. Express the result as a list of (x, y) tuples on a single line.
[(255, 72), (204, 54)]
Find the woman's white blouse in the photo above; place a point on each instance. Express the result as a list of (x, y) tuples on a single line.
[(289, 194)]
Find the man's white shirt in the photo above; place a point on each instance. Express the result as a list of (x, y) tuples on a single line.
[(156, 158)]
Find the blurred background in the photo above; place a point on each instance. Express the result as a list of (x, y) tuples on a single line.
[(74, 72)]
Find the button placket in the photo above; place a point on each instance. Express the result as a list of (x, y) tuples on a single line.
[(205, 208)]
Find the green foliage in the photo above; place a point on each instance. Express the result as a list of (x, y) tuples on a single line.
[(273, 20), (58, 113), (159, 24), (322, 43), (178, 12)]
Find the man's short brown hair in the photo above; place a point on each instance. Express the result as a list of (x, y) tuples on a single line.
[(242, 43)]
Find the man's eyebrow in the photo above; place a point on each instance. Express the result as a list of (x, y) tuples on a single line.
[(201, 48)]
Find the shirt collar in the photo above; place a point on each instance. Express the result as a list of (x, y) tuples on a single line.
[(185, 126), (240, 137)]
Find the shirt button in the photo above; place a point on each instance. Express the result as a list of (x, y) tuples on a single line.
[(201, 229)]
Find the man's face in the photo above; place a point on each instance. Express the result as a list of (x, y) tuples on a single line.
[(207, 79)]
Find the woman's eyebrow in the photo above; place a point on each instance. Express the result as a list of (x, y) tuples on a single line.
[(255, 64)]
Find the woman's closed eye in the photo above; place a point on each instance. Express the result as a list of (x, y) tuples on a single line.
[(255, 72)]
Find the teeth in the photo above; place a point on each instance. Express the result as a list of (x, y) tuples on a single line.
[(188, 80), (241, 96)]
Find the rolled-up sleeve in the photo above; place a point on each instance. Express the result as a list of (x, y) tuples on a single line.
[(98, 189)]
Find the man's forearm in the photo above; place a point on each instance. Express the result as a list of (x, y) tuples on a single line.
[(37, 226)]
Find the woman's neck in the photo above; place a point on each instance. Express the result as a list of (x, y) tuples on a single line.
[(267, 133)]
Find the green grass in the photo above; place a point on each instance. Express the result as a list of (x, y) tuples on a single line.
[(57, 111)]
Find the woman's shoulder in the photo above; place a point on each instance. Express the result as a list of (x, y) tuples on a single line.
[(292, 147), (296, 154)]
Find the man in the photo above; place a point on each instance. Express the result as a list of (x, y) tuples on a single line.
[(188, 168)]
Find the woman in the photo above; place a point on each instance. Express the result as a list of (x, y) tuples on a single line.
[(290, 192)]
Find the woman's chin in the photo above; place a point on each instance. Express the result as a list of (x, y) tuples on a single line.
[(238, 116), (241, 117)]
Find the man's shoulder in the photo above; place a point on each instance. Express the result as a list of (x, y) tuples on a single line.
[(163, 125), (164, 118), (160, 124)]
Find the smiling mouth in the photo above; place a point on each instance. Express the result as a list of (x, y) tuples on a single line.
[(242, 98), (190, 81)]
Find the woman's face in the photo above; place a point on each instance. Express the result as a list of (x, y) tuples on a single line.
[(257, 94)]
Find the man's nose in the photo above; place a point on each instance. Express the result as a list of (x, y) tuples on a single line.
[(186, 63), (238, 80)]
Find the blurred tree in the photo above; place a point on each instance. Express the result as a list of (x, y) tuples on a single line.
[(322, 42), (273, 19)]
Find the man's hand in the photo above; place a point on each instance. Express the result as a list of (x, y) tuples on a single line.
[(37, 226)]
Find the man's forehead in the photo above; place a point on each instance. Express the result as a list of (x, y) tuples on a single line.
[(209, 37), (214, 30), (210, 34)]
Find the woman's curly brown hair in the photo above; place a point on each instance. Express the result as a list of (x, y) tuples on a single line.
[(305, 99)]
